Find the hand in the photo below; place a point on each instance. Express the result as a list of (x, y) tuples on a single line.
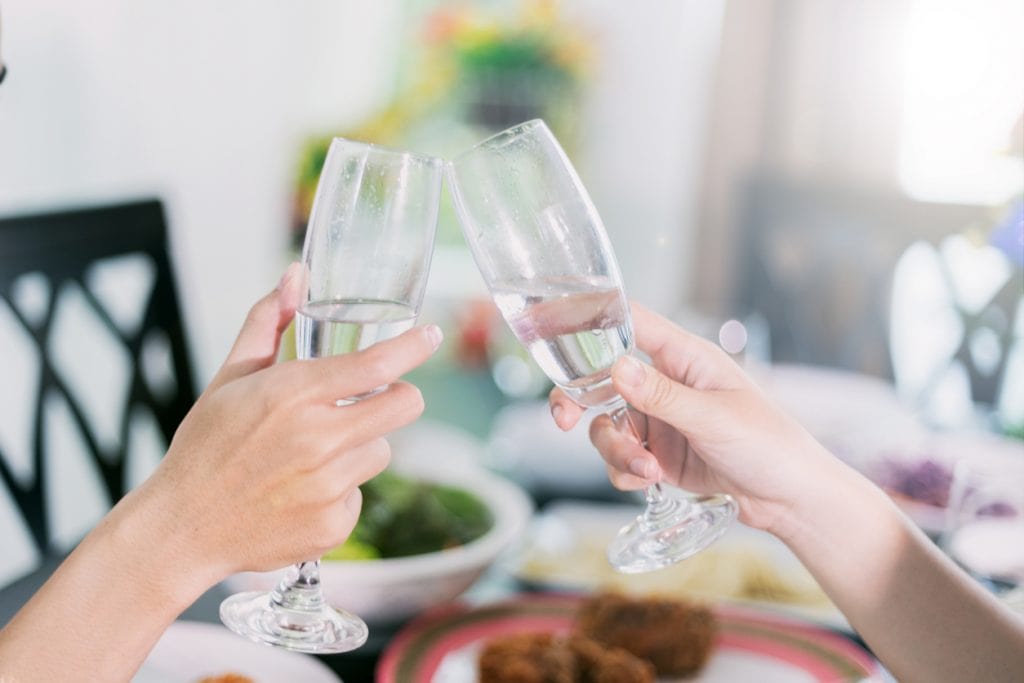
[(263, 472), (710, 429)]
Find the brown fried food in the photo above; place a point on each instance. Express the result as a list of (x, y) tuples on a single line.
[(527, 658), (674, 635), (549, 658), (227, 678), (602, 664)]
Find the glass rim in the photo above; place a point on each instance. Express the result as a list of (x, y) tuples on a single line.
[(376, 147), (490, 140)]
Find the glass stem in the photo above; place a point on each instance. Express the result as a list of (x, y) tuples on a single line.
[(300, 589), (658, 506)]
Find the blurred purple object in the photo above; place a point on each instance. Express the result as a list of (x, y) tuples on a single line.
[(1008, 236), (925, 480), (998, 509)]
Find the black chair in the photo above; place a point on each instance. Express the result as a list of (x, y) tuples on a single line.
[(65, 290)]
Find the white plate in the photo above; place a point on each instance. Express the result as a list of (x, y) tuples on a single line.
[(855, 416), (190, 651), (565, 550)]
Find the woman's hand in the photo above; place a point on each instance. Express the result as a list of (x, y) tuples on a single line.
[(264, 470), (710, 429)]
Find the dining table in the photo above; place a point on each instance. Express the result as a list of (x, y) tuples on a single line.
[(558, 494)]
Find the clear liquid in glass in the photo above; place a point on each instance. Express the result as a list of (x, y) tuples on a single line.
[(331, 328), (575, 330)]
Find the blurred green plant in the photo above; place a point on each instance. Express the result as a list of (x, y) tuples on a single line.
[(471, 68)]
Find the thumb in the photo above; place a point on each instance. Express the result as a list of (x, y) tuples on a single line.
[(653, 393), (259, 339)]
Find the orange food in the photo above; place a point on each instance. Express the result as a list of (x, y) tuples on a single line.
[(227, 678)]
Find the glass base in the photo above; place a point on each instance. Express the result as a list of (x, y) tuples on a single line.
[(671, 530), (323, 630)]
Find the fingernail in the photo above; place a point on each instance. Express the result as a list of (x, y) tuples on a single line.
[(354, 502), (630, 371), (435, 335), (556, 413), (643, 468), (289, 275)]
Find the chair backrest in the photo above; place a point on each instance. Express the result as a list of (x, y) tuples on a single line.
[(957, 333), (94, 372), (816, 260)]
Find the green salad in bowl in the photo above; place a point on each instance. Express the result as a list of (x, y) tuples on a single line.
[(430, 526), (403, 516)]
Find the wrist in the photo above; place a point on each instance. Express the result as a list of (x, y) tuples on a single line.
[(837, 507), (823, 488), (149, 539)]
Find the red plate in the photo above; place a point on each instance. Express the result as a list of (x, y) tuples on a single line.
[(751, 645)]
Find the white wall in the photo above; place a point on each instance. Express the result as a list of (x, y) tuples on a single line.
[(201, 103), (644, 129), (204, 104)]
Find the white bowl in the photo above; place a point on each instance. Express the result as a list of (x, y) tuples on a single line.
[(391, 590)]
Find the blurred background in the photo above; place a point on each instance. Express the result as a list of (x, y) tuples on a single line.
[(812, 183)]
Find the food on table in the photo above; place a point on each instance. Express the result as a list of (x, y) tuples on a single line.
[(602, 664), (925, 480), (676, 636), (403, 516), (723, 572), (615, 638), (557, 658), (227, 678), (527, 658)]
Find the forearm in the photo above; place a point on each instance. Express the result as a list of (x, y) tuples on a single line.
[(105, 607), (923, 616)]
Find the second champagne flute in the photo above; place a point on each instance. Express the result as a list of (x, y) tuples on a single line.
[(366, 256), (542, 249)]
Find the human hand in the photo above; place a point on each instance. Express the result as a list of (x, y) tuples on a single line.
[(710, 428), (263, 472)]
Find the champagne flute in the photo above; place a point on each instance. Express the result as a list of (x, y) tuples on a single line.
[(543, 251), (366, 255), (985, 520)]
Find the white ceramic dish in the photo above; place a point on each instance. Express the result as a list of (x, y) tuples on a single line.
[(565, 551), (189, 651), (391, 590)]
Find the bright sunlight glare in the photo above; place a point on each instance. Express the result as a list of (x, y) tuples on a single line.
[(964, 94)]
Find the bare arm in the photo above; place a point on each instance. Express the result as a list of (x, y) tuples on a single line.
[(711, 429), (924, 617), (263, 472)]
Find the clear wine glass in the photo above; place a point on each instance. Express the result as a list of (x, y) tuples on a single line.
[(366, 255), (985, 520), (543, 251)]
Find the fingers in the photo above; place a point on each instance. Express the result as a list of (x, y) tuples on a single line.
[(336, 377), (656, 334), (651, 392), (257, 343), (337, 522), (346, 427), (695, 361), (564, 410), (346, 470), (630, 467)]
